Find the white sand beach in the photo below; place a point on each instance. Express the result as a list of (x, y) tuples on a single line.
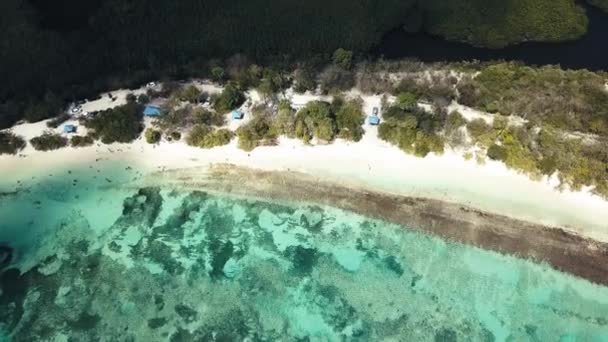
[(371, 163)]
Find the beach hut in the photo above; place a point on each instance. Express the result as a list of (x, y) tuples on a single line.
[(69, 129), (237, 115), (151, 110), (373, 120)]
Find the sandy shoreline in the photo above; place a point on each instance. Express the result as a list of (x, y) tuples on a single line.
[(517, 215), (371, 162), (487, 205), (563, 250)]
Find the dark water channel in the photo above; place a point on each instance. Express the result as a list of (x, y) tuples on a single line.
[(589, 52)]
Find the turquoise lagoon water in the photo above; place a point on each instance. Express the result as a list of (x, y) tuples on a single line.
[(107, 260)]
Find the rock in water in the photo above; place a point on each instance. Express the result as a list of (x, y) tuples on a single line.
[(6, 256)]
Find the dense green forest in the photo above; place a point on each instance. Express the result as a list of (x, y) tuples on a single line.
[(55, 51), (496, 23)]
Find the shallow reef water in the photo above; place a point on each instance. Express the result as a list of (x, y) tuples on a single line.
[(160, 264)]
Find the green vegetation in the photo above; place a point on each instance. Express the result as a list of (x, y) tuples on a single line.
[(284, 123), (335, 79), (579, 163), (572, 100), (454, 122), (54, 55), (436, 88), (218, 74), (231, 98), (121, 124), (500, 23), (190, 94), (324, 121), (316, 120), (49, 141), (453, 133), (187, 116), (406, 101), (171, 119), (343, 58), (258, 131), (82, 141), (412, 129), (206, 137), (349, 119), (543, 152), (207, 117), (57, 121), (481, 132), (11, 143), (272, 82), (175, 135), (305, 78), (152, 136)]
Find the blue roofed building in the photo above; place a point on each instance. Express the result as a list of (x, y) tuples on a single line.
[(373, 120), (237, 115), (151, 110), (69, 129)]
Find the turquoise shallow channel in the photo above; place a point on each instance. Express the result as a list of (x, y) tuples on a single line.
[(104, 259)]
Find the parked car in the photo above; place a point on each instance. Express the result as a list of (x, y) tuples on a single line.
[(375, 111)]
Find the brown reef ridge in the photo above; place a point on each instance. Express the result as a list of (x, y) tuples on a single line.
[(562, 249)]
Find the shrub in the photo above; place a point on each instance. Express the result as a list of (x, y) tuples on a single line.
[(247, 76), (121, 124), (204, 116), (406, 101), (343, 58), (152, 136), (176, 136), (334, 78), (284, 122), (172, 119), (190, 94), (409, 138), (131, 97), (315, 120), (11, 143), (49, 141), (169, 88), (496, 152), (55, 122), (437, 88), (454, 121), (370, 82), (81, 141), (255, 132), (231, 98), (143, 98), (218, 74), (305, 79), (205, 137), (414, 131), (570, 100), (349, 120), (481, 132)]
